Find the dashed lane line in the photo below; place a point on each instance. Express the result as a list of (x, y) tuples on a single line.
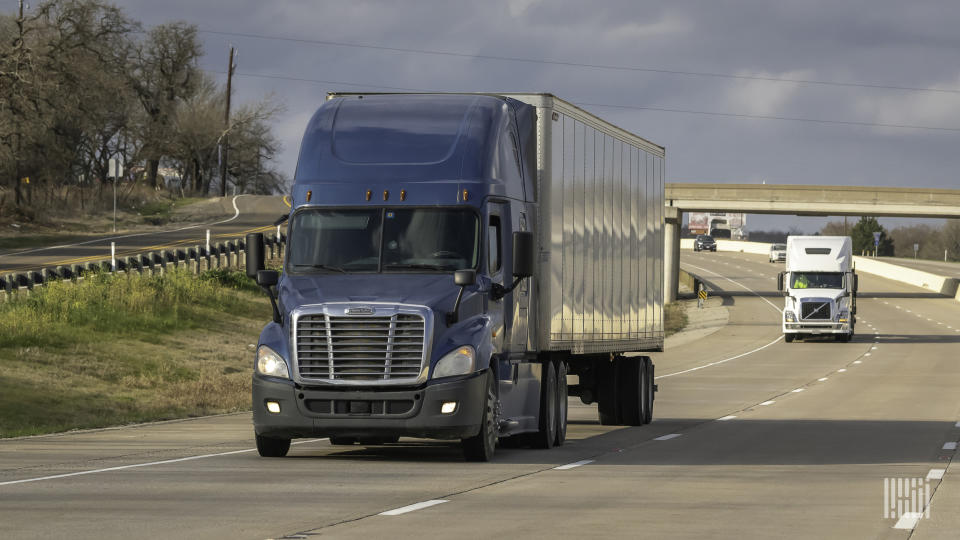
[(950, 445), (668, 437), (725, 418), (413, 507), (574, 465), (936, 474), (770, 402)]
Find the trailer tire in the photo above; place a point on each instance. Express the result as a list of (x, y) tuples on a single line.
[(270, 447), (562, 403), (647, 391), (630, 382), (549, 407), (481, 446), (608, 410)]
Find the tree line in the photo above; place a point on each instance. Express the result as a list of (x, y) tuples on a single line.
[(82, 83)]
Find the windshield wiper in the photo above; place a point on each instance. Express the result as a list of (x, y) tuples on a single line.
[(401, 266), (322, 267)]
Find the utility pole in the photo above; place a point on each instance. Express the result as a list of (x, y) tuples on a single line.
[(226, 126), (20, 45)]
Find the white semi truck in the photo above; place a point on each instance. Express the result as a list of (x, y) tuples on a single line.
[(820, 286)]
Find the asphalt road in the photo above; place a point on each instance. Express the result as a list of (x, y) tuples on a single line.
[(241, 214), (752, 438)]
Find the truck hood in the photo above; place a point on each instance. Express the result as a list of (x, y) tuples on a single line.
[(436, 291)]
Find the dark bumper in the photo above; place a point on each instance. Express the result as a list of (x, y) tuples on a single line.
[(325, 411)]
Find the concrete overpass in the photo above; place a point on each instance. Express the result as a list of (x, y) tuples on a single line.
[(797, 200)]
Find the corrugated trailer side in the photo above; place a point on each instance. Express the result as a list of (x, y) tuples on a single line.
[(600, 222)]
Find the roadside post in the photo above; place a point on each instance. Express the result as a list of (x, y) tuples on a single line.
[(115, 170), (916, 248), (876, 243), (701, 295), (208, 242), (113, 256)]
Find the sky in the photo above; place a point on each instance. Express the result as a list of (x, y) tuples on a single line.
[(694, 77)]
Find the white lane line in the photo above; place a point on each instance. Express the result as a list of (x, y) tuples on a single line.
[(797, 390), (719, 361), (841, 370), (236, 214), (771, 402), (574, 465), (873, 348), (857, 361), (821, 379), (950, 446), (668, 437), (908, 311), (413, 507), (725, 418), (138, 465), (936, 474), (908, 520), (898, 307)]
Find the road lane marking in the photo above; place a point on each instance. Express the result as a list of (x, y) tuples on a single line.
[(936, 474), (138, 465), (771, 402), (821, 379), (841, 370), (873, 348), (667, 437), (797, 390), (949, 446), (719, 361), (413, 507), (574, 465), (908, 520), (725, 418)]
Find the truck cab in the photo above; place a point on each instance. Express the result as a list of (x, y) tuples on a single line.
[(820, 288)]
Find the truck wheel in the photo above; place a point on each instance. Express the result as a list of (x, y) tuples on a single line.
[(646, 391), (788, 337), (268, 447), (481, 446), (630, 382), (607, 393), (547, 436), (343, 441), (562, 403)]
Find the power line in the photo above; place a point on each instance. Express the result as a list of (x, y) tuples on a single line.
[(614, 106), (587, 65)]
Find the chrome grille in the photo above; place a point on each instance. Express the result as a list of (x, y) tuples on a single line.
[(360, 348), (815, 311)]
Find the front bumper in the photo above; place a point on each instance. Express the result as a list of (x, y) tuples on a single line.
[(324, 411), (817, 328)]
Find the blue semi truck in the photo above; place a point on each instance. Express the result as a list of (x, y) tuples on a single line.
[(457, 265)]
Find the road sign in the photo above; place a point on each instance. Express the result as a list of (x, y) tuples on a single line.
[(876, 238), (115, 167)]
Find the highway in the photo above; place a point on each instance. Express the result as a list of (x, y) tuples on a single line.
[(940, 268), (752, 438), (241, 214)]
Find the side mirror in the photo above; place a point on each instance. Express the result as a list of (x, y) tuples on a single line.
[(267, 278), (464, 278), (254, 249), (524, 252), (780, 281), (856, 283)]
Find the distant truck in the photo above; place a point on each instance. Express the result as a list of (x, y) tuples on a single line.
[(451, 258), (820, 286)]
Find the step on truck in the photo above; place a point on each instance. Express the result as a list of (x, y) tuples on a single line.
[(452, 261), (820, 288)]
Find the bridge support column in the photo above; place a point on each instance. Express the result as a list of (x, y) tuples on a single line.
[(673, 220)]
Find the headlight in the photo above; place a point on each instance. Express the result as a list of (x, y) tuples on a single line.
[(459, 361), (843, 316), (789, 316), (270, 363)]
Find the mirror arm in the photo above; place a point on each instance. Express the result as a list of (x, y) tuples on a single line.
[(273, 302), (498, 291), (454, 316)]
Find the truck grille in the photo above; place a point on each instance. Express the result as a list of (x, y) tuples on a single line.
[(352, 348), (815, 311)]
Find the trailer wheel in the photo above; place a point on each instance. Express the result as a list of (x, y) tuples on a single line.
[(562, 403), (789, 337), (608, 409), (481, 446), (630, 382), (269, 447), (549, 407), (647, 391)]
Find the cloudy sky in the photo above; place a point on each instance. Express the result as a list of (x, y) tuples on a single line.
[(694, 77)]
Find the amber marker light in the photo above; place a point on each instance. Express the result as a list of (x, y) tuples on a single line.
[(309, 195), (386, 194), (465, 195), (369, 194), (403, 194)]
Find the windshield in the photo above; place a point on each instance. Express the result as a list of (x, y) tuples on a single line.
[(816, 280), (779, 247), (383, 240)]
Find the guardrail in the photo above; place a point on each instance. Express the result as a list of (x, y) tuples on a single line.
[(198, 259)]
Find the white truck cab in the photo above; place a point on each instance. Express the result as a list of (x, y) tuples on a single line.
[(820, 288)]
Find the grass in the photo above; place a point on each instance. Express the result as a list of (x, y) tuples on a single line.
[(674, 318), (34, 240), (160, 212), (115, 350)]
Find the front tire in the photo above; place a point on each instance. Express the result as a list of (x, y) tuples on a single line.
[(269, 447), (481, 446), (789, 337), (547, 435)]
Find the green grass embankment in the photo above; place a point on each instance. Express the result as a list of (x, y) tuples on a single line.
[(674, 318), (115, 350)]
